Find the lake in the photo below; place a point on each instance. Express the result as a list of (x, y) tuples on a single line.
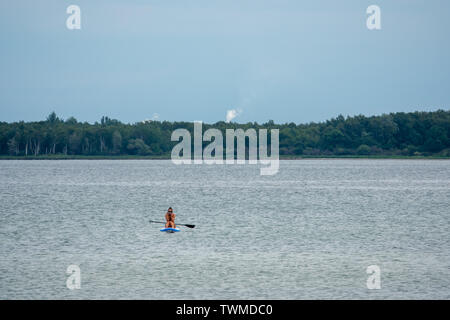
[(308, 232)]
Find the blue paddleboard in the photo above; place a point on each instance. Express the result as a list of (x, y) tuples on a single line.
[(170, 230)]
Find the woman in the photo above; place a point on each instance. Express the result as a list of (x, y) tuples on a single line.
[(170, 218)]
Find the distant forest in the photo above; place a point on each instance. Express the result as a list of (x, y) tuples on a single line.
[(402, 134)]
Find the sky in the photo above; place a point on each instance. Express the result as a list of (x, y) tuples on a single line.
[(207, 60)]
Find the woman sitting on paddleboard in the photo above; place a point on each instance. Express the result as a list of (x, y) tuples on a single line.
[(170, 218)]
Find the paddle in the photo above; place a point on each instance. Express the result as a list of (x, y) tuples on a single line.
[(178, 224)]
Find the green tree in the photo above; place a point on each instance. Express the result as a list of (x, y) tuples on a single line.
[(363, 150), (117, 141), (138, 146)]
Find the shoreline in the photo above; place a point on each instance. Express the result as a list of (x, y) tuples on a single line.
[(134, 157)]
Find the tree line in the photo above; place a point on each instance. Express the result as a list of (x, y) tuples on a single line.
[(408, 134)]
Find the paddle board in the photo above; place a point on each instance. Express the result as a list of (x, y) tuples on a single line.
[(170, 230)]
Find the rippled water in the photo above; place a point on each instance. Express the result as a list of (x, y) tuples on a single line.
[(308, 232)]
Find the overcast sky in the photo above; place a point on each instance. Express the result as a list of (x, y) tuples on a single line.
[(296, 61)]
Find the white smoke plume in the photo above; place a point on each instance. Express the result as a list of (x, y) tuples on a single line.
[(231, 114)]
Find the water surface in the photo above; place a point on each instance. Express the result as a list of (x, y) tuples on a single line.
[(308, 232)]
